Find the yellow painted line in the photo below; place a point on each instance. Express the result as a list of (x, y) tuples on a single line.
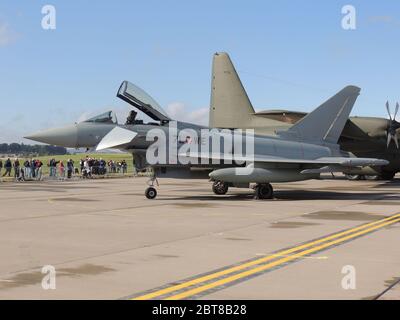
[(275, 263), (218, 274), (286, 255)]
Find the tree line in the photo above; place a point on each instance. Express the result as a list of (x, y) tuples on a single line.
[(41, 150)]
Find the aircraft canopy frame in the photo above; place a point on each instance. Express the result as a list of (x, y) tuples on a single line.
[(138, 98)]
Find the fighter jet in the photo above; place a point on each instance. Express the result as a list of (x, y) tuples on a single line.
[(183, 150), (362, 136)]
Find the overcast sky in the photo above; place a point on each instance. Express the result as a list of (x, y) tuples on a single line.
[(290, 54)]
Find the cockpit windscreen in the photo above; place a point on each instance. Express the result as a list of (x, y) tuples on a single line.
[(106, 117)]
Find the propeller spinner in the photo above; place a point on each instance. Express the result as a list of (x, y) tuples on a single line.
[(392, 133)]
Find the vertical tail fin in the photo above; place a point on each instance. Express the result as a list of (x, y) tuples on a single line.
[(325, 124), (230, 105)]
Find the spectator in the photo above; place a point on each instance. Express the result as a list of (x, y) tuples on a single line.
[(8, 167), (102, 167), (33, 168), (27, 167), (86, 172), (1, 165), (17, 170), (124, 167), (39, 165), (53, 167), (21, 174), (70, 168), (62, 170)]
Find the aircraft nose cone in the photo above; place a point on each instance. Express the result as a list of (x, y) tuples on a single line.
[(64, 137)]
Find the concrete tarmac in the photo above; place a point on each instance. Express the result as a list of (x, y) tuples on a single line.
[(319, 239)]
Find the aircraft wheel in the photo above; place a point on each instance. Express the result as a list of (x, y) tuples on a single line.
[(264, 191), (220, 188), (374, 177), (353, 177), (388, 175), (151, 193)]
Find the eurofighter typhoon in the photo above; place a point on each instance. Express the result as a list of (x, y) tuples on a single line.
[(229, 158)]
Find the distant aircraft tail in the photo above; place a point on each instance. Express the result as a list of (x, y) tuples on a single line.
[(230, 105), (325, 124)]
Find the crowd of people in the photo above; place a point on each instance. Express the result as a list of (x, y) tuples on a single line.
[(87, 167), (93, 166), (29, 169)]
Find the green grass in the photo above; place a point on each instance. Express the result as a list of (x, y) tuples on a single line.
[(76, 158)]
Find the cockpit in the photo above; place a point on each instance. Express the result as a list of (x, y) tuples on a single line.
[(106, 117), (139, 99)]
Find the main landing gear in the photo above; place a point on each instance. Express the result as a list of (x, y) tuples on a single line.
[(263, 191), (385, 175), (151, 192), (220, 188)]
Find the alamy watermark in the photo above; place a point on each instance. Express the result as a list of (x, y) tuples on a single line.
[(49, 21), (199, 146), (349, 279), (349, 20), (49, 279)]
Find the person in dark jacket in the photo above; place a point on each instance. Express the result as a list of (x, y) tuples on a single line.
[(1, 166), (70, 168), (16, 168), (8, 167)]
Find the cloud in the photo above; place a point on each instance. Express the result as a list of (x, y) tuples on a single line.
[(7, 36), (178, 111)]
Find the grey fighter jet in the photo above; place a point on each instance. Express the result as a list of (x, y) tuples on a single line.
[(363, 136), (302, 152)]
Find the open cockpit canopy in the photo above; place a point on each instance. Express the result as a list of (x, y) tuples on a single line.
[(142, 101)]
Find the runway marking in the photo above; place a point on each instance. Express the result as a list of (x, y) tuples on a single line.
[(285, 255), (204, 283)]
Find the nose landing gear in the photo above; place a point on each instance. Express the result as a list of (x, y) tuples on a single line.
[(151, 192)]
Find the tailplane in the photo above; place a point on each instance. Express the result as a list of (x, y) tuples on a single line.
[(230, 105)]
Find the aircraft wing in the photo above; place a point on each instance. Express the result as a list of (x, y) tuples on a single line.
[(338, 161), (116, 137), (142, 101)]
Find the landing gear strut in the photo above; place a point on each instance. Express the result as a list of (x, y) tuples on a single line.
[(220, 188), (263, 191), (151, 192)]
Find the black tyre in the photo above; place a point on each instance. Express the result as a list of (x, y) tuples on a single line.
[(151, 193), (220, 188), (388, 175), (264, 191)]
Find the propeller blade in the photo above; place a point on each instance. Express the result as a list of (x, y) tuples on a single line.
[(396, 111), (388, 110), (389, 139), (396, 140)]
